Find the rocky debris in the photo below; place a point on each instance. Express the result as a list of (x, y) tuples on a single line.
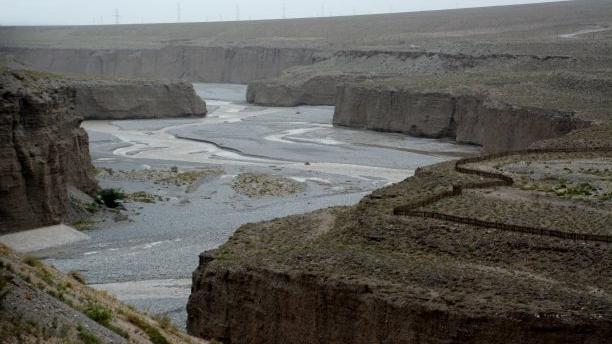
[(42, 151), (142, 197), (265, 185), (172, 176), (131, 99), (474, 119)]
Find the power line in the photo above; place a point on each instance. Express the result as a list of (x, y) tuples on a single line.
[(116, 15)]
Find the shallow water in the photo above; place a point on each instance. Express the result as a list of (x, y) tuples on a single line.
[(147, 261)]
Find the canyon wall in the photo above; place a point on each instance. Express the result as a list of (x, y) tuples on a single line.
[(316, 84), (467, 118), (194, 64), (102, 99), (315, 90), (246, 305), (42, 151)]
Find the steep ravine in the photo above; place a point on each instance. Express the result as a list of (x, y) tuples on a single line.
[(42, 151), (473, 119)]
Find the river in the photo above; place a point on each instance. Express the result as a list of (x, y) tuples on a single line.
[(147, 259)]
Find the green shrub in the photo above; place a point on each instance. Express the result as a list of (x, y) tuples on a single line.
[(32, 261), (99, 313), (87, 337), (573, 190), (154, 335), (110, 197)]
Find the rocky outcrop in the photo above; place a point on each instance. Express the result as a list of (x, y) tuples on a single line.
[(98, 99), (195, 64), (42, 151), (471, 119)]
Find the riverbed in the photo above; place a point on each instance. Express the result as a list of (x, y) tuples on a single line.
[(146, 256)]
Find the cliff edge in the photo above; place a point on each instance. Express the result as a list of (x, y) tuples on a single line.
[(42, 151)]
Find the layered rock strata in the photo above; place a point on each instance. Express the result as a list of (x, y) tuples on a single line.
[(471, 119), (102, 99), (42, 151), (313, 90), (196, 64), (316, 84)]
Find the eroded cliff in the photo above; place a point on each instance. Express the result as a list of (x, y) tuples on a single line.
[(474, 119), (316, 84), (195, 64), (126, 99), (42, 151)]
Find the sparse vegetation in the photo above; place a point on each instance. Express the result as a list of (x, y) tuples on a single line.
[(32, 261), (141, 197), (77, 277), (165, 322), (154, 335), (87, 337), (575, 190), (98, 313), (83, 224)]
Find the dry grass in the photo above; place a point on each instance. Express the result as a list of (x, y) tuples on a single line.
[(98, 305)]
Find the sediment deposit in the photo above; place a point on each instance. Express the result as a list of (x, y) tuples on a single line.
[(42, 150), (130, 99)]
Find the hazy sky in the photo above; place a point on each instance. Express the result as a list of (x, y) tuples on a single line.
[(87, 12)]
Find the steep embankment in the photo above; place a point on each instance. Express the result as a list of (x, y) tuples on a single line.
[(197, 64), (125, 99), (474, 119), (42, 151)]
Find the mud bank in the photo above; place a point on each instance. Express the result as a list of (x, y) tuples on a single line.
[(42, 150), (196, 64), (473, 119), (105, 99)]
